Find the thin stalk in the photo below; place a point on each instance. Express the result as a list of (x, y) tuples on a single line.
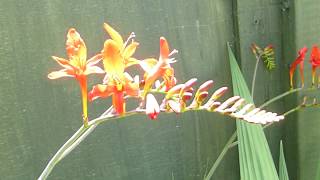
[(253, 83), (66, 148), (221, 155), (78, 141), (297, 108), (56, 158), (281, 96)]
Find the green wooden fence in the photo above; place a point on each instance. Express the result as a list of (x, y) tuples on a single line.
[(38, 115)]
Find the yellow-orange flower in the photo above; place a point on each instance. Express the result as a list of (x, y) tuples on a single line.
[(77, 66), (116, 56), (155, 69)]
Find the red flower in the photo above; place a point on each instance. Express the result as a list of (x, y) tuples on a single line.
[(315, 62), (302, 52)]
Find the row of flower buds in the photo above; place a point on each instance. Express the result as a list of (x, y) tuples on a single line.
[(177, 98)]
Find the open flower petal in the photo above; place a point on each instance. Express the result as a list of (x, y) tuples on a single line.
[(130, 49), (164, 49), (75, 46), (94, 70), (63, 62), (112, 60), (114, 34), (100, 90), (59, 74)]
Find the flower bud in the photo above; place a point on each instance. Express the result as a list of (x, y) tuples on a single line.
[(152, 107)]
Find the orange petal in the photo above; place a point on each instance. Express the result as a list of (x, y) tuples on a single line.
[(131, 61), (164, 49), (59, 74), (315, 56), (112, 60), (100, 90), (75, 46), (63, 62), (301, 74), (130, 49), (131, 88), (114, 34), (169, 81), (118, 102)]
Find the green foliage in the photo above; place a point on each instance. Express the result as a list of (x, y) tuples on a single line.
[(254, 154), (283, 172)]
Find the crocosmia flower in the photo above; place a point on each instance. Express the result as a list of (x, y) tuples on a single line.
[(77, 65), (299, 61), (155, 69), (116, 57), (315, 62)]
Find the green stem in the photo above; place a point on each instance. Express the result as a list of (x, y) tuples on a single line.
[(253, 83), (294, 110), (56, 158), (67, 147), (78, 141), (221, 155)]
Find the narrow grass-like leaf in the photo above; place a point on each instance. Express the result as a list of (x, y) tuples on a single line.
[(283, 172), (318, 171), (255, 158)]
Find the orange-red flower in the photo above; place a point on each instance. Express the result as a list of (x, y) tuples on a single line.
[(116, 56), (161, 68), (77, 65), (299, 60), (315, 62)]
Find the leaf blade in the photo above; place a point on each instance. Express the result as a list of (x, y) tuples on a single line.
[(254, 154)]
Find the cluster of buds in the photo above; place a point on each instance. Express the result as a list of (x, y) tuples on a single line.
[(314, 61), (117, 55), (266, 54), (183, 97)]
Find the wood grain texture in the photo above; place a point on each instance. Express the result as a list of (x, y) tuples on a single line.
[(38, 115), (307, 34)]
